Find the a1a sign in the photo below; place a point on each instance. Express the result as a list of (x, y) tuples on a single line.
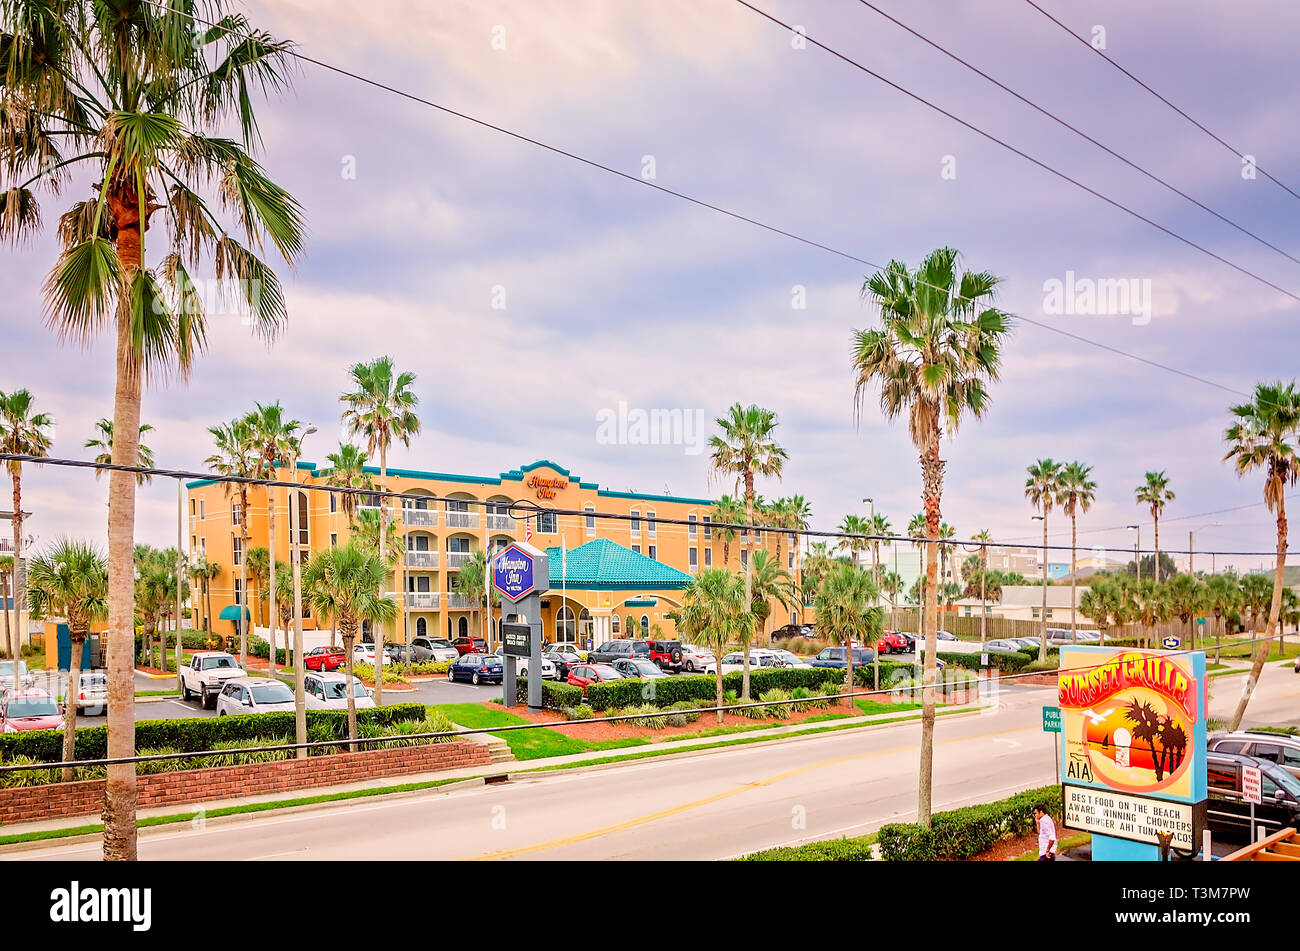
[(1051, 719), (514, 573)]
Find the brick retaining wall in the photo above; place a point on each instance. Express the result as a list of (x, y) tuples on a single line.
[(86, 798)]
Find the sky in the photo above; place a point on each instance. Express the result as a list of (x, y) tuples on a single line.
[(530, 293)]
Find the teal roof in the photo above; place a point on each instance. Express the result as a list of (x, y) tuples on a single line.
[(603, 565)]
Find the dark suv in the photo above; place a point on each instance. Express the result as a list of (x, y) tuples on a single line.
[(666, 654), (1229, 810), (618, 650), (834, 657)]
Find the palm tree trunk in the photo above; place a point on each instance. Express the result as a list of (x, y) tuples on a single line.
[(119, 815), (270, 557), (1155, 518), (242, 600), (4, 609), (1261, 650), (1074, 578), (717, 671), (383, 560), (350, 638), (16, 633), (747, 541), (1042, 643), (78, 640), (932, 494)]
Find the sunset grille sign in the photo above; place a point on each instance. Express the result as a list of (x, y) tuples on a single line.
[(1132, 742)]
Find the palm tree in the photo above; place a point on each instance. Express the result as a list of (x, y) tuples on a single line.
[(877, 525), (769, 582), (1102, 603), (847, 611), (6, 577), (1150, 607), (819, 563), (382, 409), (23, 432), (1187, 598), (916, 531), (744, 449), (259, 572), (1078, 491), (278, 439), (938, 346), (716, 614), (347, 584), (1256, 590), (1043, 489), (1264, 436), (348, 471), (70, 581), (984, 537), (238, 455), (471, 582), (727, 511), (283, 596), (104, 443), (891, 583), (1154, 493), (1223, 595), (854, 526), (800, 520), (134, 91)]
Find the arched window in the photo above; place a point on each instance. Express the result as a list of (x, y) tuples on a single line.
[(794, 616), (566, 632), (645, 625), (302, 519), (421, 627), (462, 627)]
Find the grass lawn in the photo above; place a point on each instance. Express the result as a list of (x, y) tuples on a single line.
[(1276, 651), (525, 744)]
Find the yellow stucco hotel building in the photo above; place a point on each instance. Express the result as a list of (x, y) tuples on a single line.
[(610, 568)]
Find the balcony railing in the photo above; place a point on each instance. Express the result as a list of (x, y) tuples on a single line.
[(459, 602), (501, 523), (422, 559), (419, 518), (422, 600), (457, 559), (462, 519)]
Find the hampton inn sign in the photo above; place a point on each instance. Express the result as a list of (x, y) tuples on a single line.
[(546, 488)]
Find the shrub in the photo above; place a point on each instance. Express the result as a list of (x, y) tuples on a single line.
[(367, 673), (777, 711), (26, 777), (1009, 662), (645, 720), (802, 704), (555, 696), (580, 712), (832, 850), (687, 710), (677, 719), (964, 833), (162, 765)]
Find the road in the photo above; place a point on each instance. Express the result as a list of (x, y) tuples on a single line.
[(712, 806)]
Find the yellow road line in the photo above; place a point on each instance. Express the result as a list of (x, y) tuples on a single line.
[(717, 797)]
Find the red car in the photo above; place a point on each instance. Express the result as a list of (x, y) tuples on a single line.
[(470, 645), (324, 658), (891, 642), (24, 710), (583, 675)]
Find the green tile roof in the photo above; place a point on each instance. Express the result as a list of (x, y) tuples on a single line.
[(603, 565)]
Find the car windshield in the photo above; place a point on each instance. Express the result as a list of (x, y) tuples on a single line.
[(32, 707), (216, 663), (272, 693), (7, 668), (1286, 781), (492, 661), (338, 689), (440, 642)]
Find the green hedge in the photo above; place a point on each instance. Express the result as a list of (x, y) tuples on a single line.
[(199, 733), (832, 850), (964, 833), (555, 695), (1017, 661), (670, 690)]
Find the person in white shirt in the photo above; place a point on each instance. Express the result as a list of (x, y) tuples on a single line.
[(1046, 834)]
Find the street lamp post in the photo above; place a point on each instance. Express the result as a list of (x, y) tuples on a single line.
[(295, 559), (20, 579), (1191, 547), (1043, 619), (875, 546), (1137, 549)]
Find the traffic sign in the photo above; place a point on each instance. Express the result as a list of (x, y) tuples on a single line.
[(1200, 620), (1171, 643), (1252, 787), (1051, 719), (513, 572)]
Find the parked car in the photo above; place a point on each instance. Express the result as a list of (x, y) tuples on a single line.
[(794, 630), (28, 708), (205, 675), (759, 658), (253, 695), (1280, 748), (1025, 643), (666, 654), (549, 671), (25, 679), (942, 635), (329, 691), (365, 654), (787, 658), (324, 658), (470, 645), (613, 650), (433, 650), (1228, 811), (564, 657), (584, 675), (1003, 646), (634, 668), (92, 693), (834, 657), (697, 659), (892, 642), (477, 669)]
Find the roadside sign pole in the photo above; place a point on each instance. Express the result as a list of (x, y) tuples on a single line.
[(520, 573)]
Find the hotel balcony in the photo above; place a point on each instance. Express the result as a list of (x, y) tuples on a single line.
[(425, 560), (422, 600), (419, 518), (462, 519), (459, 602), (457, 559), (501, 523)]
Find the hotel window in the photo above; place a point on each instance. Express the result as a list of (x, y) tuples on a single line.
[(650, 518), (334, 503), (202, 508), (591, 519), (744, 557), (239, 588), (302, 519), (789, 558), (194, 506), (194, 543), (654, 552), (203, 547), (694, 558), (708, 557), (708, 528), (334, 539), (637, 549), (636, 523), (546, 523), (690, 529), (237, 547), (236, 514)]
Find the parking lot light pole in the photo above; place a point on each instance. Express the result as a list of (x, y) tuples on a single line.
[(1137, 549)]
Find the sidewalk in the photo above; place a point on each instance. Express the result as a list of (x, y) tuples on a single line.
[(476, 774)]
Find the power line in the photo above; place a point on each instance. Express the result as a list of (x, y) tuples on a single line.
[(1235, 151), (1020, 152), (1079, 132), (683, 196)]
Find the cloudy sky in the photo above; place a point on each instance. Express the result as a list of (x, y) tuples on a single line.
[(615, 293)]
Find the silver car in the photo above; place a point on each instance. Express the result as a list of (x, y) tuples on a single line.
[(1280, 748)]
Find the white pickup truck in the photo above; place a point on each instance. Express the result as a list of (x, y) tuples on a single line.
[(205, 675)]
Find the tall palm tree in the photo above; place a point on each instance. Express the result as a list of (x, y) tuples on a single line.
[(727, 511), (946, 531), (878, 525), (916, 531), (1078, 491), (259, 579), (1187, 598), (1154, 493), (277, 439), (1044, 489), (819, 563), (6, 579), (1103, 604), (382, 409), (471, 583), (984, 537), (136, 93), (769, 582), (891, 583), (746, 448), (1265, 434), (847, 612), (237, 455), (716, 614), (70, 581), (800, 520), (104, 443), (23, 432), (348, 471), (854, 526), (347, 585), (938, 346), (282, 596)]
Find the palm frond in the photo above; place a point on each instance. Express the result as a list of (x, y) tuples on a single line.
[(256, 286), (20, 215), (83, 289)]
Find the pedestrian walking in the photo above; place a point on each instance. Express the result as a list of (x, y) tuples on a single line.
[(1046, 834)]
